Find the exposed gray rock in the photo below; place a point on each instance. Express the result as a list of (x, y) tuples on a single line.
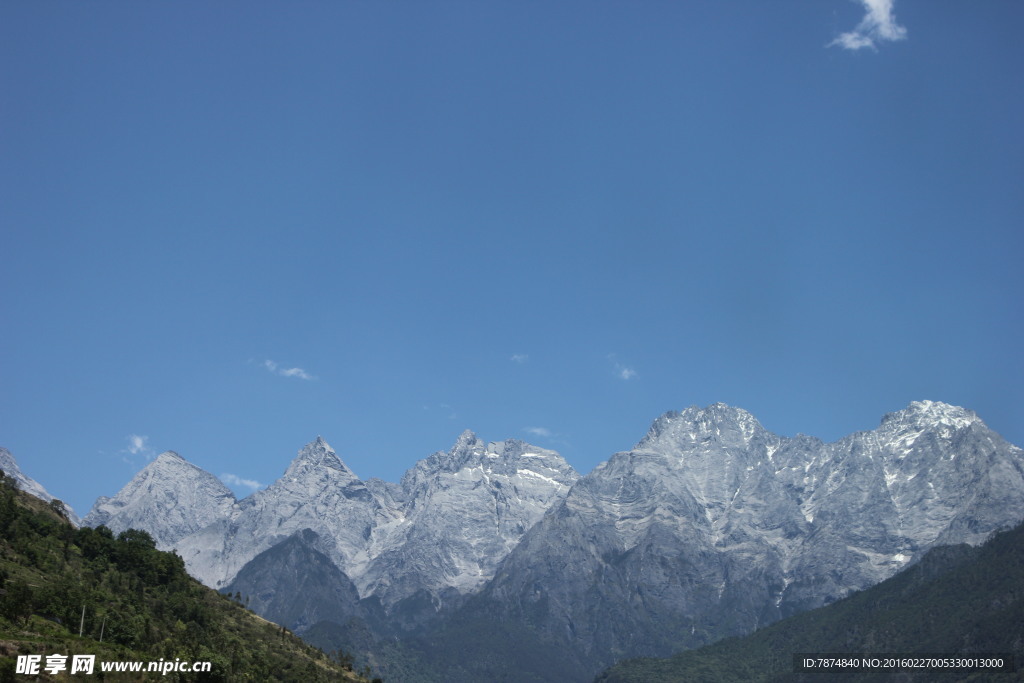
[(712, 526), (461, 512), (441, 532), (318, 492), (170, 498)]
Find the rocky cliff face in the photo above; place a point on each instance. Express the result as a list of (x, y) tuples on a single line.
[(170, 498), (441, 532), (461, 513), (316, 492), (712, 526)]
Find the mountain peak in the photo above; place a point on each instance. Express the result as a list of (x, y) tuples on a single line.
[(169, 497), (317, 455), (170, 464), (452, 460), (695, 423), (930, 413), (720, 412), (318, 448), (464, 447), (467, 439)]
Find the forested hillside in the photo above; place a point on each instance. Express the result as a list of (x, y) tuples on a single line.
[(74, 591)]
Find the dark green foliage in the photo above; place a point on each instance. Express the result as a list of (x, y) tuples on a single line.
[(475, 647), (956, 600), (392, 658), (130, 601), (470, 647), (17, 604)]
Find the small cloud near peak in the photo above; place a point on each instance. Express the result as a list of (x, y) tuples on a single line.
[(138, 445)]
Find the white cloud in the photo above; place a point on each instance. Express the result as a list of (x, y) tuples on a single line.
[(286, 372), (295, 372), (235, 480), (623, 372), (878, 24), (519, 358), (538, 431), (137, 444)]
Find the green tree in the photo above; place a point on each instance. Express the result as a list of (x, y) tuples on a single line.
[(18, 602)]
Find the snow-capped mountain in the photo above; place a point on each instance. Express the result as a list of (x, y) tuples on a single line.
[(930, 474), (712, 526)]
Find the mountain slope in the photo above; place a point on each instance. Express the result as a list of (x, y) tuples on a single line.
[(169, 498), (296, 585), (461, 512), (711, 526), (317, 491), (437, 535), (9, 466), (956, 600), (131, 602)]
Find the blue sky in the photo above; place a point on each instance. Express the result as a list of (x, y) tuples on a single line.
[(229, 227)]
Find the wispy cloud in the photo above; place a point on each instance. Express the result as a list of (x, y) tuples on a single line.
[(137, 443), (138, 446), (623, 372), (878, 25), (538, 431), (138, 452), (235, 480), (519, 358), (295, 372), (287, 372)]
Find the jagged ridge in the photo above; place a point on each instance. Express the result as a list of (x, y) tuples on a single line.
[(709, 526)]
